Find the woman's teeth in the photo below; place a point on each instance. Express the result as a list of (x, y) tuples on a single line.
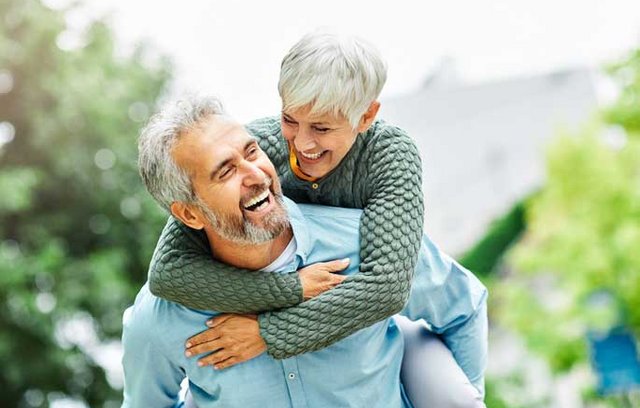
[(311, 156)]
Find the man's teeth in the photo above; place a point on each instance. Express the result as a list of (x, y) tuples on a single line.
[(255, 200), (261, 206), (311, 156)]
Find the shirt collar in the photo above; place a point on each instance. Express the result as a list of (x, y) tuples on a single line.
[(300, 230)]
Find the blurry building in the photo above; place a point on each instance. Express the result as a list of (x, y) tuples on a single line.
[(483, 144)]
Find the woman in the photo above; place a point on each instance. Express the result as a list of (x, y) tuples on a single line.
[(328, 149)]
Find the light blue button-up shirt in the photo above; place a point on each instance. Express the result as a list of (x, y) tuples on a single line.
[(362, 370)]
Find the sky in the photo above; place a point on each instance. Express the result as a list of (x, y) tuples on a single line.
[(233, 48)]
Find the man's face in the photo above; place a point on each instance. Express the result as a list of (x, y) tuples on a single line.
[(236, 184), (320, 142)]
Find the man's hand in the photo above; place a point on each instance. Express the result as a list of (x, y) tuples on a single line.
[(321, 276), (232, 338)]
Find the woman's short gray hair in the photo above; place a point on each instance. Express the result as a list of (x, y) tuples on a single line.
[(164, 179), (335, 74)]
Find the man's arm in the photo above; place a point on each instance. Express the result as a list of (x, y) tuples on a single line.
[(150, 379), (453, 302)]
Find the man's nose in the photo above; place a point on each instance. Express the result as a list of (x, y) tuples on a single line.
[(252, 174), (304, 140)]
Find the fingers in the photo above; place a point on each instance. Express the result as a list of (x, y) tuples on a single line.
[(230, 356), (210, 346), (218, 320), (203, 337), (337, 279), (333, 281), (337, 265), (231, 361), (322, 276), (209, 334), (217, 357)]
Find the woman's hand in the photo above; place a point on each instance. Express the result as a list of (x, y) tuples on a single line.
[(321, 276), (235, 338), (232, 339)]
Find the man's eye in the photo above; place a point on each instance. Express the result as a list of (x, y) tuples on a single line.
[(252, 152), (225, 172)]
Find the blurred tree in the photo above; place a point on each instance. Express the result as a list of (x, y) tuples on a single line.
[(626, 111), (578, 265), (485, 256), (74, 248)]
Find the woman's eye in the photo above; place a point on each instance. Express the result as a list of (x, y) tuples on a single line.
[(322, 130)]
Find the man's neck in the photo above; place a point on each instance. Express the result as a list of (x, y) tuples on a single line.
[(252, 256)]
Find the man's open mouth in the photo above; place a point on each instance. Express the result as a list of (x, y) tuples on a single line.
[(258, 203)]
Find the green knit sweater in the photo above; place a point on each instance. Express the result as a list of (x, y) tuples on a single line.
[(381, 174)]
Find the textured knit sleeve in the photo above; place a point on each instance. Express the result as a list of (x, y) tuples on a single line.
[(391, 232), (182, 270)]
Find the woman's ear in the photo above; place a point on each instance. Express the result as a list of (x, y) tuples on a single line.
[(187, 215), (368, 117)]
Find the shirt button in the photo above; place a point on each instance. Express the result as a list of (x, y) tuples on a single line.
[(314, 186), (292, 376)]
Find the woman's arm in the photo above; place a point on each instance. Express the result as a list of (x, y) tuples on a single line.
[(391, 232), (182, 270), (391, 229)]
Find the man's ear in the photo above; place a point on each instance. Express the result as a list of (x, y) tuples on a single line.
[(187, 215), (368, 117)]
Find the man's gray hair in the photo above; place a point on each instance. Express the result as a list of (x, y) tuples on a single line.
[(164, 179), (335, 74)]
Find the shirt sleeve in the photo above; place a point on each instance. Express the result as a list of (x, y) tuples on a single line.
[(390, 230), (454, 304), (182, 270), (150, 379)]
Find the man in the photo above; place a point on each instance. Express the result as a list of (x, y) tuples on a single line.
[(225, 185)]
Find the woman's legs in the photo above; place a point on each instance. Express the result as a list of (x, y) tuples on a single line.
[(189, 402), (430, 375)]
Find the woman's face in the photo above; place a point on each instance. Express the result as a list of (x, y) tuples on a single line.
[(320, 142)]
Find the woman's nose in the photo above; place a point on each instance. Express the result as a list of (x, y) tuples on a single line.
[(304, 140)]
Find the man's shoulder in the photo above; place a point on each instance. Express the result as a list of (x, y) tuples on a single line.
[(151, 316), (325, 212), (143, 313), (314, 213)]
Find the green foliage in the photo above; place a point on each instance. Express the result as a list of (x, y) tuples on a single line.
[(76, 226), (626, 110), (17, 186), (485, 255), (492, 396), (578, 266)]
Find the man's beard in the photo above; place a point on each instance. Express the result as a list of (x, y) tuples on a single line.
[(242, 231)]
